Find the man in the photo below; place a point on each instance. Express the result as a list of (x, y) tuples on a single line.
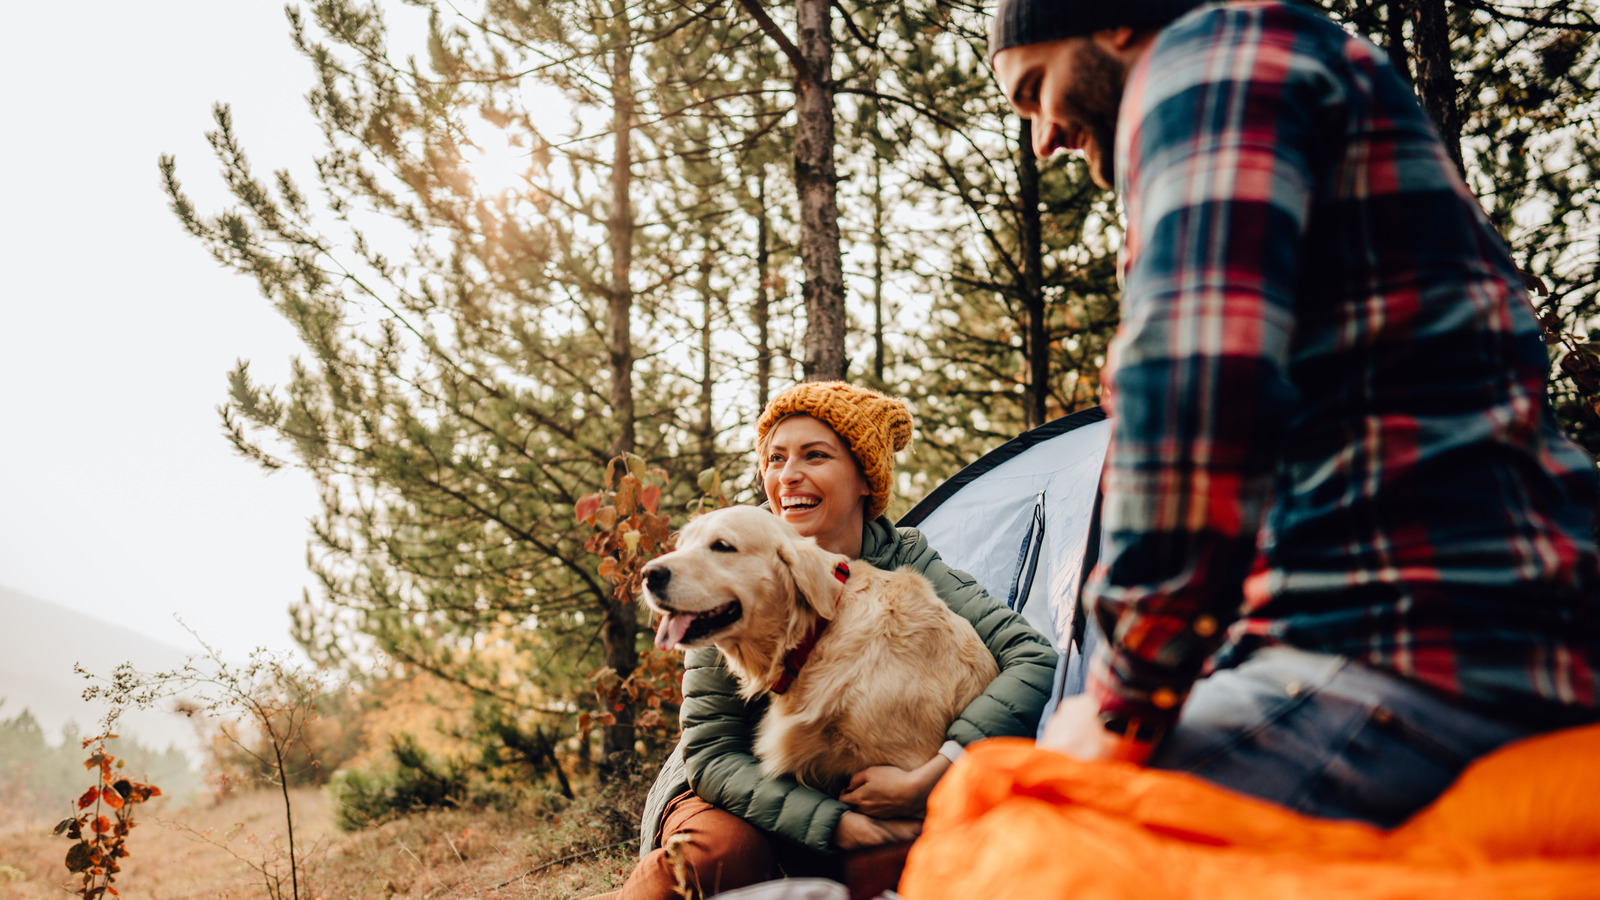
[(1334, 481)]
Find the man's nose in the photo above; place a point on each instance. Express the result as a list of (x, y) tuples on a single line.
[(1046, 138)]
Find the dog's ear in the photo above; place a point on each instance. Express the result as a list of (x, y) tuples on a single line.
[(813, 570)]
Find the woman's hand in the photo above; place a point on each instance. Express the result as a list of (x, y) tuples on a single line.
[(890, 792), (856, 830)]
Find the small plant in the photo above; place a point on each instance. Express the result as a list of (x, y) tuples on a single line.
[(270, 695), (628, 529), (104, 816)]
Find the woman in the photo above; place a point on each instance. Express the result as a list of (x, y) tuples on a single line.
[(826, 457)]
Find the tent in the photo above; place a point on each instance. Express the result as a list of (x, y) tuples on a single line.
[(1023, 521)]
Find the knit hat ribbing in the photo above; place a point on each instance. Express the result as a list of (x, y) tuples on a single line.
[(874, 427), (1019, 22)]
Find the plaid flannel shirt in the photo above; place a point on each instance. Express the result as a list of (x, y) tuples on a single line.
[(1329, 422)]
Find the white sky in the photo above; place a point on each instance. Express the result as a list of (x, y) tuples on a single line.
[(119, 496)]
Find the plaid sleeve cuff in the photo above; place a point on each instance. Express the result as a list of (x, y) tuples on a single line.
[(1148, 702)]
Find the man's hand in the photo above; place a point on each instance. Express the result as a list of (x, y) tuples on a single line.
[(1076, 731), (856, 830), (890, 792)]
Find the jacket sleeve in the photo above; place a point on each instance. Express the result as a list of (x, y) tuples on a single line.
[(718, 734), (1014, 701)]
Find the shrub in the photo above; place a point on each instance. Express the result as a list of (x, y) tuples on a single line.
[(416, 782)]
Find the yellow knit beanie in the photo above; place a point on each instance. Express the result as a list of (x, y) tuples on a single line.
[(873, 426)]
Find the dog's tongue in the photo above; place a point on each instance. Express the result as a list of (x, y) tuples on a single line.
[(671, 630)]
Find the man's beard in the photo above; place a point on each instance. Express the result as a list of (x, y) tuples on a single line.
[(1101, 78)]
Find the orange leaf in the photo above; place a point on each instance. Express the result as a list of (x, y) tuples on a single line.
[(587, 506), (88, 798), (651, 497), (111, 799), (102, 825), (607, 566)]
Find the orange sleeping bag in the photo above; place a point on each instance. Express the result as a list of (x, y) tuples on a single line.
[(1015, 821)]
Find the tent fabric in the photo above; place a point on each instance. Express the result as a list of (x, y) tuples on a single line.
[(1012, 820), (1021, 516)]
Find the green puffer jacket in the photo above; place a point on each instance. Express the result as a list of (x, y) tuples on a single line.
[(714, 755)]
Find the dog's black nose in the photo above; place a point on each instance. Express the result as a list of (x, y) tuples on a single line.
[(655, 580)]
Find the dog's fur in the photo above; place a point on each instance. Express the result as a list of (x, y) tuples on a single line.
[(891, 672)]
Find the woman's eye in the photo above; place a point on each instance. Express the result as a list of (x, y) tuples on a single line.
[(721, 546), (775, 458), (816, 454)]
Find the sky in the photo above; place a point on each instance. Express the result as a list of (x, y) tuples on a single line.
[(119, 495)]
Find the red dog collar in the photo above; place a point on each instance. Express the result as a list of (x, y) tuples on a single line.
[(797, 657)]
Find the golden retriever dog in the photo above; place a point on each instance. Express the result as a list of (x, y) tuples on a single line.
[(884, 666)]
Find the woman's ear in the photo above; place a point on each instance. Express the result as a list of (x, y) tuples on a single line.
[(813, 570)]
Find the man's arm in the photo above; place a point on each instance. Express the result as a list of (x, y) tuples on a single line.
[(1216, 163)]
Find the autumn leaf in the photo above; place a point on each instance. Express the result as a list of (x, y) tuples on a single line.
[(587, 506), (628, 495), (606, 518), (709, 482), (112, 798), (607, 567), (102, 825), (88, 798), (651, 498), (78, 858), (64, 825), (636, 466)]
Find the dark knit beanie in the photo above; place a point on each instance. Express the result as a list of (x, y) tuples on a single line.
[(1019, 22)]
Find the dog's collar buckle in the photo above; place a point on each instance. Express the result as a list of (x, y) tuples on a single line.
[(797, 657)]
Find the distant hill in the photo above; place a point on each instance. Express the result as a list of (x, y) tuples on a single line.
[(40, 641)]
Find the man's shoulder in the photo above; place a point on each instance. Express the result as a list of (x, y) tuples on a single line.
[(1239, 24)]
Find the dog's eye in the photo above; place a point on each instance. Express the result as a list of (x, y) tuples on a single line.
[(721, 546)]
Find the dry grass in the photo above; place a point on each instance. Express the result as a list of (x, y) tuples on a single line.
[(544, 849)]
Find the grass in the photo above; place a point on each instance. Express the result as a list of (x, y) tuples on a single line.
[(545, 847)]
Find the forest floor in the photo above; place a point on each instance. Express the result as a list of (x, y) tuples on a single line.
[(235, 848)]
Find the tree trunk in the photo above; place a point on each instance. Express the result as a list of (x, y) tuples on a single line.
[(1436, 80), (619, 631), (1394, 37), (763, 311), (878, 354), (1037, 344), (707, 428), (815, 180)]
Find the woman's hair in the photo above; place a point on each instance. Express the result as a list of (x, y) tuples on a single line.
[(874, 428)]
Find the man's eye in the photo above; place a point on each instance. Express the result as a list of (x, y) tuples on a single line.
[(1029, 92), (721, 546)]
